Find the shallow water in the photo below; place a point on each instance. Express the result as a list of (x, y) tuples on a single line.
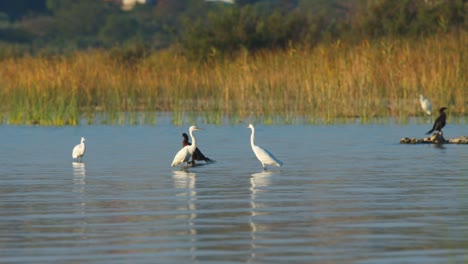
[(346, 194)]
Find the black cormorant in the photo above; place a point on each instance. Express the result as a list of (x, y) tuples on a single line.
[(440, 121)]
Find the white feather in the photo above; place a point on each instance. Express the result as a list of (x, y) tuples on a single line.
[(79, 150), (425, 104), (182, 156)]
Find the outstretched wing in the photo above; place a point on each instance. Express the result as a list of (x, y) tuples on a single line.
[(198, 155)]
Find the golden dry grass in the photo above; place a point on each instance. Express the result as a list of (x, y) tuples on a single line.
[(369, 80)]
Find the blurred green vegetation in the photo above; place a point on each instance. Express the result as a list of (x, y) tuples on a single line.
[(200, 29)]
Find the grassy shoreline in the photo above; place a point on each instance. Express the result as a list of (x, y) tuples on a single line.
[(368, 80)]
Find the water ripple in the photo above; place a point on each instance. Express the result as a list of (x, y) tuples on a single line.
[(365, 201)]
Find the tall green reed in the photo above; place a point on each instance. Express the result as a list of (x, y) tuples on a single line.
[(332, 83)]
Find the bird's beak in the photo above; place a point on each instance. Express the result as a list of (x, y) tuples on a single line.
[(198, 128)]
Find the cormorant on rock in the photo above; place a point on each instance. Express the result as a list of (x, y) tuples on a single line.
[(440, 121)]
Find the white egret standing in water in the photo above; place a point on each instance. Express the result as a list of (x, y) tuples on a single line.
[(186, 152), (263, 155), (425, 104), (79, 150)]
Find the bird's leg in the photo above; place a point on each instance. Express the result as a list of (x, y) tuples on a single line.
[(264, 167), (186, 167)]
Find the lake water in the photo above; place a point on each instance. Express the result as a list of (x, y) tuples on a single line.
[(346, 194)]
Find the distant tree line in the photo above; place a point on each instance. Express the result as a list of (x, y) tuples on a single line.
[(201, 29)]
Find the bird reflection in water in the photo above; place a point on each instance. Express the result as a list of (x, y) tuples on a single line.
[(79, 188), (258, 183), (184, 184), (79, 168), (79, 176), (439, 146), (79, 184)]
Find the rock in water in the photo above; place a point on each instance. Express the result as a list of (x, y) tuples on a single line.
[(436, 138)]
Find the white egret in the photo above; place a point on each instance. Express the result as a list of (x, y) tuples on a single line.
[(263, 155), (186, 152), (79, 150), (425, 104)]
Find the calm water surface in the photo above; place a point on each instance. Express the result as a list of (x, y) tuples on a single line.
[(346, 194)]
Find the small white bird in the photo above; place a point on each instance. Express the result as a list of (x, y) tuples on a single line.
[(79, 150), (263, 155), (186, 152), (425, 104)]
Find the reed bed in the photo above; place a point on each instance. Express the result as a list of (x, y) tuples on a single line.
[(371, 80)]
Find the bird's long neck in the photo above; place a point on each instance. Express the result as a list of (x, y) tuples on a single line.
[(252, 138), (83, 146), (193, 146)]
